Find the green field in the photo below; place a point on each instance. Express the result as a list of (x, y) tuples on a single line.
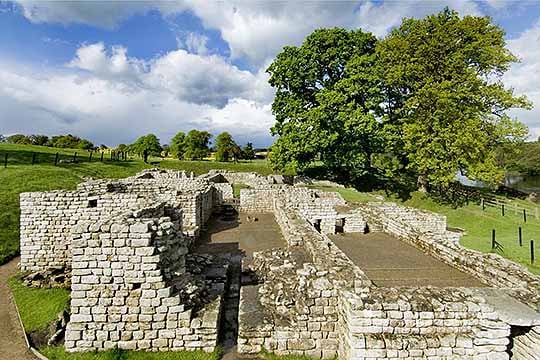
[(21, 176)]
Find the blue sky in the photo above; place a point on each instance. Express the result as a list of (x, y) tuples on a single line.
[(111, 71)]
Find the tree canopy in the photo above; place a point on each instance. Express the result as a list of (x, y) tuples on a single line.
[(226, 147), (196, 144), (248, 152), (178, 146), (326, 102), (427, 101), (148, 144)]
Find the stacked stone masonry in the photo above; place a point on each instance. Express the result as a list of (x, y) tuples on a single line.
[(126, 243)]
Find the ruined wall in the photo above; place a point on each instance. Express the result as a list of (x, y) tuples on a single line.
[(427, 231), (525, 343), (422, 323), (224, 191), (258, 200), (47, 217), (122, 294)]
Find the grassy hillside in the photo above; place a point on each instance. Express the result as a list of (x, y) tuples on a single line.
[(21, 176)]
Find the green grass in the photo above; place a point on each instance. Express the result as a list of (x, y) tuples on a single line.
[(237, 188), (349, 194), (58, 353), (38, 307), (21, 176)]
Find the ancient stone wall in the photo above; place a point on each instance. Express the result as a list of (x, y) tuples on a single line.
[(427, 231), (47, 217), (258, 200), (122, 291), (525, 343), (422, 323)]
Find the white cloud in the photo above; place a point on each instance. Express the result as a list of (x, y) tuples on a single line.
[(524, 77), (193, 42), (106, 14), (110, 97)]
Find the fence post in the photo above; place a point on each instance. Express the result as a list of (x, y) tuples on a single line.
[(90, 156), (524, 215), (75, 157), (492, 239), (520, 237), (101, 156), (502, 209), (5, 160), (56, 159), (483, 205), (33, 158), (532, 251)]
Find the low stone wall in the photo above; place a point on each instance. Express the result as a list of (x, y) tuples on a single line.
[(526, 343), (122, 295), (427, 231), (421, 323), (224, 192)]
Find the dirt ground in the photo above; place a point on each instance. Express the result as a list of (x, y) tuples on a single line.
[(390, 262), (12, 344), (241, 235)]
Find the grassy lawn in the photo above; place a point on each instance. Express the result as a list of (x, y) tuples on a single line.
[(38, 307), (58, 353), (21, 176)]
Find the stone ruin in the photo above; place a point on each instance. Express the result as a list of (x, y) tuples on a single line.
[(127, 248)]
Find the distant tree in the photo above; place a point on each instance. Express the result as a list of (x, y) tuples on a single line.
[(147, 145), (103, 147), (69, 142), (2, 139), (225, 147), (39, 139), (122, 147), (196, 143), (178, 145), (165, 150), (19, 139), (85, 145), (247, 152)]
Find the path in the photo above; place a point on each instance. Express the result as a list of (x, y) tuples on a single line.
[(12, 344), (236, 238), (390, 262)]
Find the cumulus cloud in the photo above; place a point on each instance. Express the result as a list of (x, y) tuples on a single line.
[(524, 77), (105, 95)]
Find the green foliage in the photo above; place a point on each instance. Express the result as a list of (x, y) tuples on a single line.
[(226, 148), (38, 306), (327, 99), (247, 152), (18, 139), (41, 140), (69, 142), (178, 145), (146, 144), (424, 102), (196, 145), (524, 157), (446, 108)]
